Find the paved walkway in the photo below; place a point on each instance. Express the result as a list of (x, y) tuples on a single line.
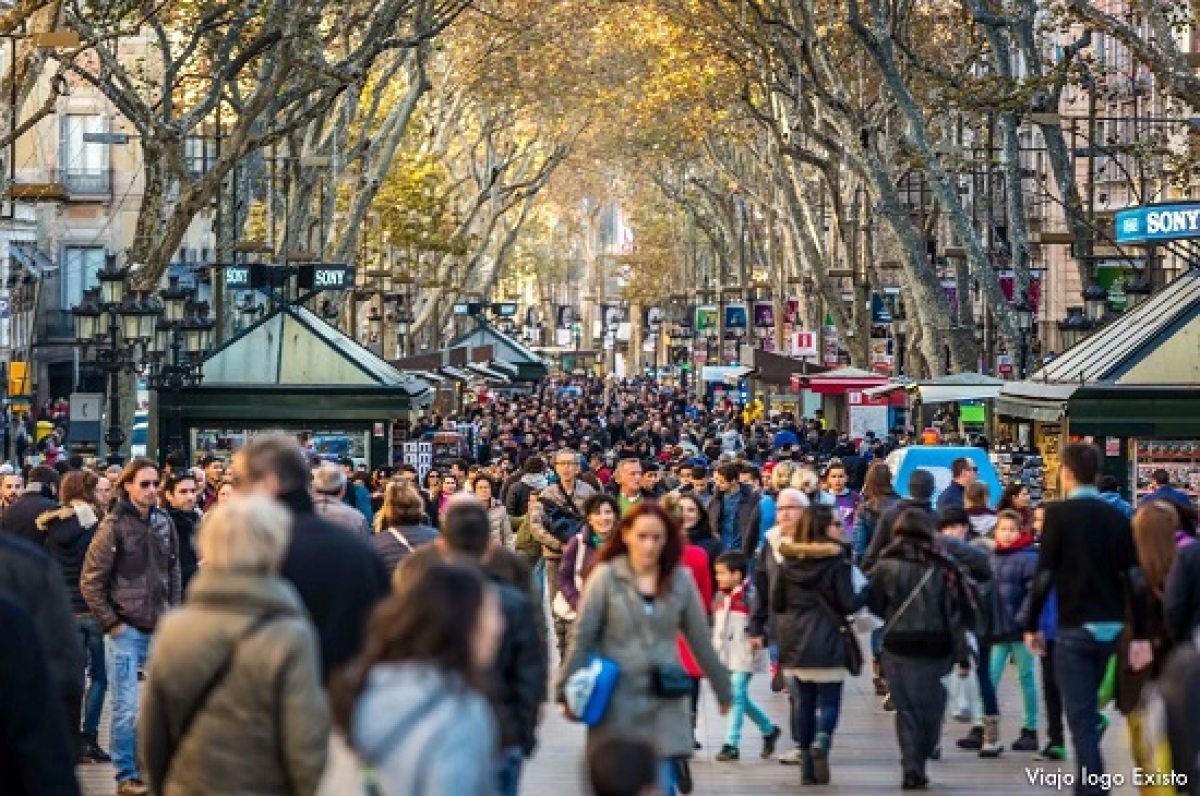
[(865, 758)]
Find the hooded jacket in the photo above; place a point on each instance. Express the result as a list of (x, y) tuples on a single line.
[(766, 572), (424, 732), (69, 531), (812, 595), (1015, 567)]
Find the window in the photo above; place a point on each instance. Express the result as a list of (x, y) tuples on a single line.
[(79, 269), (200, 153), (84, 165)]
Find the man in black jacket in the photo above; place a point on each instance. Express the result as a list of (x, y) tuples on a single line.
[(519, 672), (30, 576), (1181, 603), (1086, 555), (339, 576), (39, 497), (35, 753)]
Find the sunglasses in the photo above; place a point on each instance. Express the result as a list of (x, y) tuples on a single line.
[(147, 484)]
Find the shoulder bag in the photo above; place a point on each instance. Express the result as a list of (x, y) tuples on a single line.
[(853, 652), (218, 676), (912, 595), (669, 680)]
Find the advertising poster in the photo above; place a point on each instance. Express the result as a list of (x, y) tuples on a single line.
[(736, 320), (830, 354), (791, 310), (706, 320), (1008, 284), (881, 354), (764, 315)]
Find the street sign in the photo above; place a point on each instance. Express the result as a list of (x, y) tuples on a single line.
[(244, 277), (86, 406), (106, 138), (86, 411), (804, 344), (1158, 223)]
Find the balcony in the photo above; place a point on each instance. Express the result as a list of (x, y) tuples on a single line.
[(83, 183)]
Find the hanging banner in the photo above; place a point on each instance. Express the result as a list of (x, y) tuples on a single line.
[(831, 353), (736, 320), (706, 320), (764, 315), (791, 310)]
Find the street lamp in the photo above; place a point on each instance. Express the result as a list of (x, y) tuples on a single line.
[(1075, 327), (1024, 314), (181, 339), (131, 332)]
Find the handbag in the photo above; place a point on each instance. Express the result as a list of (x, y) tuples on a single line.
[(589, 690), (669, 680), (853, 652), (560, 606)]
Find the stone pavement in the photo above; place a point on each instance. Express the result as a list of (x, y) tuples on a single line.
[(865, 757)]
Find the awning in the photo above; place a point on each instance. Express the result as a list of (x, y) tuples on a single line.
[(455, 373), (487, 372), (883, 389), (940, 394), (1044, 413), (436, 378), (734, 375), (507, 368), (719, 373), (844, 380)]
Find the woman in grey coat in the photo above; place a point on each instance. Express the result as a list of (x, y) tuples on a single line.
[(263, 727), (636, 601)]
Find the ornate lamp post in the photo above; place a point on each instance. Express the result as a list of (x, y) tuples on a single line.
[(120, 327), (181, 339), (1024, 315)]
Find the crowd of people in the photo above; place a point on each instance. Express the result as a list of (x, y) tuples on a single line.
[(282, 624)]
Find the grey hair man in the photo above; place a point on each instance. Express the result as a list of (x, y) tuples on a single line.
[(329, 492)]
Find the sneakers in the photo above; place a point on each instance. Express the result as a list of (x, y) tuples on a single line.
[(1052, 752), (769, 742), (728, 754), (1028, 742), (973, 741), (914, 781), (964, 716), (991, 746), (791, 757), (132, 787), (89, 750)]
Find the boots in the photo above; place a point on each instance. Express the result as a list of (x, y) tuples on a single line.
[(991, 737), (973, 739), (820, 758), (808, 774), (881, 688), (90, 751)]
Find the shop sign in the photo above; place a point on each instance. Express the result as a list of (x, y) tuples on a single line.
[(1158, 223), (804, 344), (1112, 446), (326, 276)]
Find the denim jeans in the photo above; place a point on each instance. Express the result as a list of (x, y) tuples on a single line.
[(666, 776), (97, 671), (508, 771), (1001, 653), (983, 675), (1080, 661), (743, 705), (818, 709), (126, 654), (539, 577)]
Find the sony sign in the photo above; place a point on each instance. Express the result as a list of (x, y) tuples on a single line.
[(1158, 223), (237, 277), (326, 276)]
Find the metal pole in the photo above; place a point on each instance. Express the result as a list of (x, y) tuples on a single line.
[(115, 437)]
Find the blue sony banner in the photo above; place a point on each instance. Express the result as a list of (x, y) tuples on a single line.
[(1158, 223)]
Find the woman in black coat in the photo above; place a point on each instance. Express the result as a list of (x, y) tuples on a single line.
[(812, 596)]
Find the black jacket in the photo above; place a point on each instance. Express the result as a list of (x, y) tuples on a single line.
[(935, 623), (1181, 602), (21, 517), (35, 753), (185, 531), (519, 673), (885, 529), (1086, 555), (812, 595), (340, 579), (32, 578), (67, 542), (1179, 685)]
